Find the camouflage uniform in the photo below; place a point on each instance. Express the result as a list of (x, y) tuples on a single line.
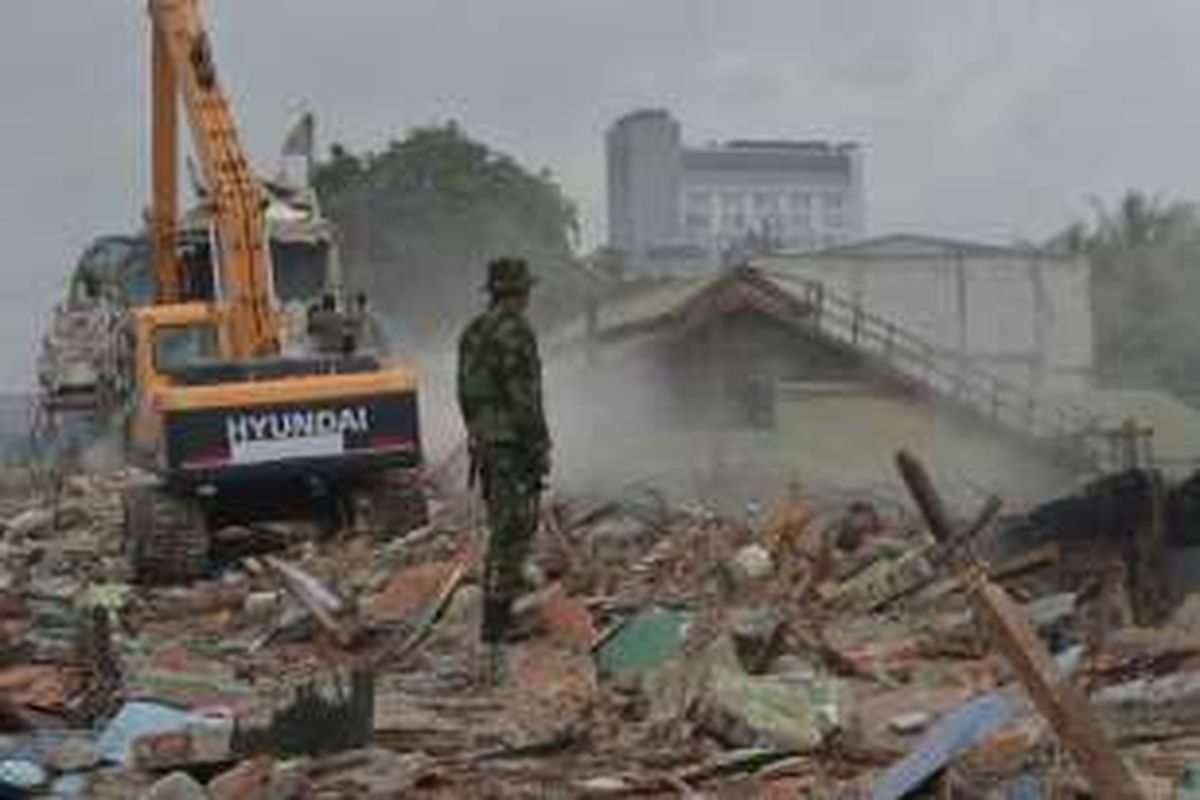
[(500, 395)]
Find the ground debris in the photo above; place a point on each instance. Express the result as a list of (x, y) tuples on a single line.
[(826, 648)]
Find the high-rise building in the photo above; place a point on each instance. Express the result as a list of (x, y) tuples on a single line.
[(644, 170), (671, 205)]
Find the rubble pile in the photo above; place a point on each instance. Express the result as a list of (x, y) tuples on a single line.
[(824, 650)]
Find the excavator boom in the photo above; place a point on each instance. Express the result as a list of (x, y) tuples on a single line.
[(184, 68)]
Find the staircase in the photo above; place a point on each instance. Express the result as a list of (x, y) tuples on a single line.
[(1067, 432)]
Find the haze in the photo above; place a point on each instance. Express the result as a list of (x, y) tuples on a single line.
[(994, 120)]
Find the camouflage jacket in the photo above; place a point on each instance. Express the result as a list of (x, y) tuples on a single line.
[(500, 383)]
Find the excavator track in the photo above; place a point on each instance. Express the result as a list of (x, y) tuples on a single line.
[(166, 539)]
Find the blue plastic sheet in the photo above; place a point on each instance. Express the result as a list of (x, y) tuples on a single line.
[(1026, 787), (137, 719), (959, 731), (953, 734)]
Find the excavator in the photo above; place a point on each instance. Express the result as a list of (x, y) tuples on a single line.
[(225, 428)]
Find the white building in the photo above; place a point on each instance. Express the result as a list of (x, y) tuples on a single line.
[(791, 195), (1024, 314), (671, 206)]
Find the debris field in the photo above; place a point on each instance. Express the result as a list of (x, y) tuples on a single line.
[(822, 649)]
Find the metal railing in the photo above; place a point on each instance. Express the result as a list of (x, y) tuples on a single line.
[(1067, 429)]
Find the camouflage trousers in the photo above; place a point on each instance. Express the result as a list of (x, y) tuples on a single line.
[(511, 493)]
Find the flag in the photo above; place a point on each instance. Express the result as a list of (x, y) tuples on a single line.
[(301, 140)]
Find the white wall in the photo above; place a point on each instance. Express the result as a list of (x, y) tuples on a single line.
[(921, 298), (1001, 314), (1021, 315), (1069, 326)]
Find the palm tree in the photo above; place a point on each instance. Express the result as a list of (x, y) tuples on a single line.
[(1143, 253), (1139, 221)]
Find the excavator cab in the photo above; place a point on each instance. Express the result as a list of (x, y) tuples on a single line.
[(166, 340)]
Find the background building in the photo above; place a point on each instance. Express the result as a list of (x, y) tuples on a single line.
[(644, 181), (672, 207), (722, 387), (1023, 314)]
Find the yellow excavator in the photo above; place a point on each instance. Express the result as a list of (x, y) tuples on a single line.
[(228, 430)]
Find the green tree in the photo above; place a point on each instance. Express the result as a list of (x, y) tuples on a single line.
[(420, 220), (1145, 261)]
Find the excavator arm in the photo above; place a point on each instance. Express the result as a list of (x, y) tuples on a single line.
[(184, 69), (246, 437)]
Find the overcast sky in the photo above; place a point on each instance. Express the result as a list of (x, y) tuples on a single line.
[(983, 119)]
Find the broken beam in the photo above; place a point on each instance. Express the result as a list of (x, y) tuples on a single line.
[(1062, 704), (925, 495), (331, 613)]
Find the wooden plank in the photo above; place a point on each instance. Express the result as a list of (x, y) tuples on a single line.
[(1029, 561), (396, 650), (330, 612), (1062, 704), (964, 539), (925, 495), (957, 549)]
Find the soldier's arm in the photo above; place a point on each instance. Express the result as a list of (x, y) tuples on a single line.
[(467, 346), (523, 372), (465, 404)]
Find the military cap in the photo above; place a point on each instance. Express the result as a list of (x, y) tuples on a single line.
[(507, 275)]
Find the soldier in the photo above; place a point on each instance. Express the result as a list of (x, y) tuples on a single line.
[(325, 326), (364, 327), (500, 396)]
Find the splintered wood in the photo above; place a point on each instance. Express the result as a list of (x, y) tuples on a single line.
[(1063, 705)]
